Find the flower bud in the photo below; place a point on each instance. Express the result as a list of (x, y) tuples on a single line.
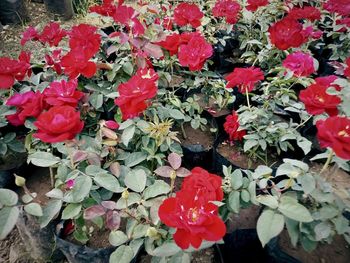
[(20, 181), (125, 194), (152, 233)]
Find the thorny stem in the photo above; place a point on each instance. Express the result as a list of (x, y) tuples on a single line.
[(301, 124), (329, 159)]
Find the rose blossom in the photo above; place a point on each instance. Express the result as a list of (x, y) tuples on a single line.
[(231, 127), (58, 124), (77, 62), (227, 8), (195, 53), (301, 64), (341, 7), (307, 12), (135, 93), (244, 78), (206, 184), (287, 33), (253, 5), (317, 100), (52, 34), (171, 43), (347, 69), (63, 93), (334, 132), (186, 13), (84, 37), (28, 104)]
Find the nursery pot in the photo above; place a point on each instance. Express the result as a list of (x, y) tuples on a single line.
[(62, 8), (198, 146), (13, 12), (243, 245)]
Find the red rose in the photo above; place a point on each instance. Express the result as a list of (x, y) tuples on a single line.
[(106, 9), (195, 53), (327, 81), (30, 34), (231, 126), (186, 13), (318, 101), (52, 34), (77, 62), (58, 124), (347, 70), (205, 184), (301, 64), (54, 61), (171, 43), (227, 8), (287, 33), (253, 5), (127, 16), (334, 132), (133, 95), (193, 217), (307, 12), (244, 78), (84, 37), (343, 21), (11, 70), (28, 104), (63, 93), (341, 7)]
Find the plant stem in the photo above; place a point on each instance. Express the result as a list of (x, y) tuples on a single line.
[(52, 177), (247, 96), (183, 131), (329, 159), (301, 124)]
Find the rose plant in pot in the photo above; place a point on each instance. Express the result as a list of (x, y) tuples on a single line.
[(105, 112)]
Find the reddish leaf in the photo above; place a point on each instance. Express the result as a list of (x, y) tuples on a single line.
[(153, 50), (115, 169), (109, 133), (94, 159), (94, 211), (111, 205), (182, 172), (113, 220), (79, 156), (164, 171), (174, 160)]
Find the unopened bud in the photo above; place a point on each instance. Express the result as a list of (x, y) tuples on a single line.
[(125, 194), (20, 181), (152, 233)]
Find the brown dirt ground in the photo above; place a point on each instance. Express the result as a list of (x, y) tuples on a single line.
[(205, 138)]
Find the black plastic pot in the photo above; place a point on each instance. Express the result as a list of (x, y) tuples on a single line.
[(198, 154), (13, 12), (62, 8), (243, 246)]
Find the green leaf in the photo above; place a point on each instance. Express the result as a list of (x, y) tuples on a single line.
[(245, 196), (128, 68), (262, 170), (96, 100), (43, 159), (8, 197), (117, 238), (308, 183), (123, 254), (236, 179), (304, 144), (158, 188), (108, 182), (269, 225), (322, 231), (136, 180), (94, 170), (176, 114), (234, 202), (132, 199), (127, 135), (49, 212), (140, 231), (249, 144), (81, 189), (8, 219), (135, 158), (55, 193), (166, 250), (71, 211), (291, 208), (33, 209), (293, 230), (268, 200)]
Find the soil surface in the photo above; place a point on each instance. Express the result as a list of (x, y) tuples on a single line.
[(240, 159), (211, 106), (197, 137)]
